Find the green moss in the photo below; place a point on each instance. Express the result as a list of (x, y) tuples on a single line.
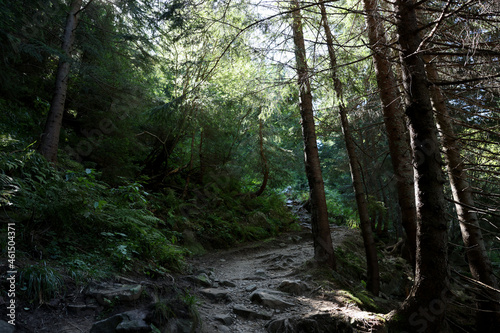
[(350, 263), (362, 298)]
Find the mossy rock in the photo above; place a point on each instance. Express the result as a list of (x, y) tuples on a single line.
[(191, 243), (258, 219)]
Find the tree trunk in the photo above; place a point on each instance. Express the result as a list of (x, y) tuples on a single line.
[(394, 120), (265, 167), (424, 309), (201, 157), (323, 248), (373, 279), (385, 228), (50, 137), (488, 316)]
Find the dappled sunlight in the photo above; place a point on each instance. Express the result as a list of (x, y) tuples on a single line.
[(250, 166)]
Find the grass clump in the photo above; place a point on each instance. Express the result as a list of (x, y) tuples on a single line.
[(40, 282), (361, 297)]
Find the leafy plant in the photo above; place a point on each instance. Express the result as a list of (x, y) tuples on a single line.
[(162, 312), (189, 299), (132, 194), (82, 268), (40, 282), (340, 211)]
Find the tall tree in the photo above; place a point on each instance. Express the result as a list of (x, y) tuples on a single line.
[(488, 318), (50, 137), (424, 308), (265, 167), (394, 120), (323, 248), (373, 280)]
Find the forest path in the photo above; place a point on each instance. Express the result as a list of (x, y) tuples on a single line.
[(239, 290), (250, 286)]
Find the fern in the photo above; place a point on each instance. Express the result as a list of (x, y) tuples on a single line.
[(8, 189)]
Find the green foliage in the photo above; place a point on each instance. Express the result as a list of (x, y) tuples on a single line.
[(40, 282), (137, 107), (361, 297), (19, 124), (340, 211), (65, 212), (189, 299), (243, 219), (352, 264), (217, 215), (85, 267), (375, 206), (162, 312), (174, 303)]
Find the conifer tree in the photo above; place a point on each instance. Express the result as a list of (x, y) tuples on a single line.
[(373, 279), (323, 248), (394, 120), (50, 137), (424, 309)]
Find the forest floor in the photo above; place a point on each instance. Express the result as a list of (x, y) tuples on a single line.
[(243, 289), (230, 278), (278, 264)]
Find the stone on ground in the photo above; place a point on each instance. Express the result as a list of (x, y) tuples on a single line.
[(248, 313), (318, 323), (216, 294), (224, 318), (295, 287), (126, 322), (270, 298), (104, 293), (201, 279)]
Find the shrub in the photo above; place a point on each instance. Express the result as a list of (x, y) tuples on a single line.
[(75, 207), (40, 282)]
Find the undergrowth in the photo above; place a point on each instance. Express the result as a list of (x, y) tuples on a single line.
[(220, 217), (72, 225), (40, 282)]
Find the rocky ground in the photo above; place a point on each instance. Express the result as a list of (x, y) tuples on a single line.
[(267, 286)]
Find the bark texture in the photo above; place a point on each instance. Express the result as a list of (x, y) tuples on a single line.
[(424, 309), (50, 137), (263, 159), (394, 119), (373, 276), (323, 248), (488, 316)]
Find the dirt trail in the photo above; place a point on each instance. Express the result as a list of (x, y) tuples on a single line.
[(239, 290), (238, 272)]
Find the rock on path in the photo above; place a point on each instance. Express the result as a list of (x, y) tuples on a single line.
[(254, 290)]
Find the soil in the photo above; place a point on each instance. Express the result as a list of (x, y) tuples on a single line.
[(265, 265), (237, 272)]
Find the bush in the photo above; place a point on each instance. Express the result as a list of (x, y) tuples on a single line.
[(67, 207), (75, 217), (40, 282), (340, 211)]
